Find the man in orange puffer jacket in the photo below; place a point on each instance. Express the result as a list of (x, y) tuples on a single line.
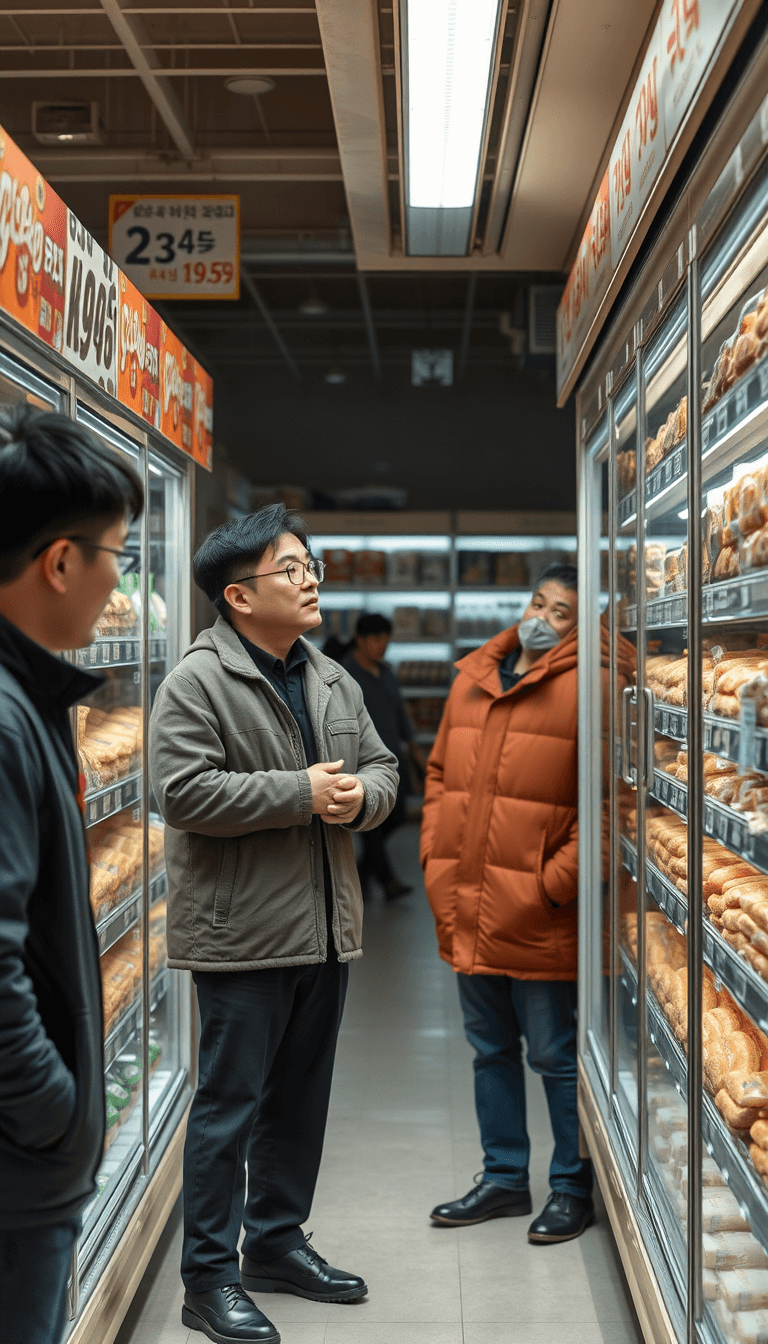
[(499, 849)]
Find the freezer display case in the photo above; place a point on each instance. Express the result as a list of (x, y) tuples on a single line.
[(673, 479), (148, 1024)]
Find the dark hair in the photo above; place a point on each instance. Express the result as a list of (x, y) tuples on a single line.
[(371, 623), (566, 575), (55, 475), (235, 548)]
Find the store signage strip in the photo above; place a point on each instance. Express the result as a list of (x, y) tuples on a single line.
[(59, 284), (684, 40)]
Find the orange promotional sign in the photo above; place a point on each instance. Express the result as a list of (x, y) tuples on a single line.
[(202, 444), (33, 241), (138, 366), (177, 390)]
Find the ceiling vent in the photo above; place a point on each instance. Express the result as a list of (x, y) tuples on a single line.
[(67, 123), (542, 318)]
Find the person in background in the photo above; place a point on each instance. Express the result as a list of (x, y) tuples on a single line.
[(500, 855), (384, 702), (264, 760), (65, 504)]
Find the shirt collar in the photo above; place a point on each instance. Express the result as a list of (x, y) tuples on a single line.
[(270, 665), (42, 674)]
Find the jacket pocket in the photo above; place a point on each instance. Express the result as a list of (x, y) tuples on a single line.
[(344, 737), (225, 885), (549, 906)]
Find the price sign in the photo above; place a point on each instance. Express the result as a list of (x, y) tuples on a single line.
[(90, 311), (178, 247), (638, 153), (33, 229), (689, 31)]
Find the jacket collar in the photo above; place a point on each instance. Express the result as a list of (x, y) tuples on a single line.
[(482, 665), (235, 658), (43, 675)]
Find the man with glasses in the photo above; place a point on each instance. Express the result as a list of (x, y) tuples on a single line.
[(263, 760), (65, 506)]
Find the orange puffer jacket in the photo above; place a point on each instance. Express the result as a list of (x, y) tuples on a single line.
[(499, 841)]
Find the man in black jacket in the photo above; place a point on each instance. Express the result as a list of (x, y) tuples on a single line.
[(65, 504)]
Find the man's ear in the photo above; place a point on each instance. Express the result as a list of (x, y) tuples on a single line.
[(239, 599), (55, 564)]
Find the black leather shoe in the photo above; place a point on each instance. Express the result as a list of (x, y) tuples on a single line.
[(304, 1273), (485, 1201), (562, 1218), (228, 1316)]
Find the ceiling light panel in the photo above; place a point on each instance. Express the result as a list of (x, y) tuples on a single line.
[(448, 49)]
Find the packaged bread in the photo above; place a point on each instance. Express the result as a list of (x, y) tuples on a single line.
[(733, 1250), (118, 618), (744, 1289)]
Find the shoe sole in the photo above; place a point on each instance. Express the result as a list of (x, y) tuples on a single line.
[(508, 1211), (537, 1238), (282, 1286), (195, 1322)]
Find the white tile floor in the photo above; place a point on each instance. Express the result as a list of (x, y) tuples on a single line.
[(402, 1136)]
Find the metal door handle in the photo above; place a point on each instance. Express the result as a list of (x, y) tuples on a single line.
[(626, 730), (649, 736)]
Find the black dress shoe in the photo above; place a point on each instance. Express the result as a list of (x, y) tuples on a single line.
[(228, 1316), (485, 1201), (562, 1218), (304, 1273)]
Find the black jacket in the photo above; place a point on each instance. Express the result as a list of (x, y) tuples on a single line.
[(51, 1025)]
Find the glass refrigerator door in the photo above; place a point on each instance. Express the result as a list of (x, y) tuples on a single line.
[(734, 899), (109, 734), (18, 383), (169, 1022), (663, 626), (624, 833)]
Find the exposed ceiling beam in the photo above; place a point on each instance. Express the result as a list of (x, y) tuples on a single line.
[(373, 344), (147, 65), (252, 288), (227, 164), (350, 40)]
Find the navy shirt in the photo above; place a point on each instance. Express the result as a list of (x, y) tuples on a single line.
[(287, 678), (507, 674)]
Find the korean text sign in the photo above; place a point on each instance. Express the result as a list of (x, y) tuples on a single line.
[(178, 247), (33, 245)]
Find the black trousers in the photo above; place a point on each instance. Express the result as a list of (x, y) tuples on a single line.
[(34, 1269), (267, 1048)]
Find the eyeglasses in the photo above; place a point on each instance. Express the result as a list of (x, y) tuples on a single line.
[(296, 572), (129, 559)]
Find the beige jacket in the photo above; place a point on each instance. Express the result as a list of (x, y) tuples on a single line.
[(243, 851)]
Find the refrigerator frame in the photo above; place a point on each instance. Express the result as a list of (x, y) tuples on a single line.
[(671, 266)]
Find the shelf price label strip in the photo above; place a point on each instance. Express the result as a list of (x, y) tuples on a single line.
[(128, 1024), (730, 1154), (721, 736), (124, 916), (111, 799)]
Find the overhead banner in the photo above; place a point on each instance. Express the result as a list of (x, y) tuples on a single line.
[(90, 309), (178, 247), (33, 247), (138, 371), (58, 283), (684, 40)]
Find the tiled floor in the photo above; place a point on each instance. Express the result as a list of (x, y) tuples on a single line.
[(402, 1136)]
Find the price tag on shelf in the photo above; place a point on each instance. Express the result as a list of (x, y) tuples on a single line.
[(178, 247), (747, 725)]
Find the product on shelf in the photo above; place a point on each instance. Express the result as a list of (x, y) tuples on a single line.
[(108, 743), (475, 568), (118, 983), (434, 569), (118, 620), (669, 437), (435, 623), (370, 567), (406, 622), (339, 565), (424, 672), (626, 463), (116, 857), (425, 713), (512, 570), (113, 1124), (403, 568), (748, 344)]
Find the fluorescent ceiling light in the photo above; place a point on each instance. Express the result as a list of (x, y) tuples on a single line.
[(449, 51)]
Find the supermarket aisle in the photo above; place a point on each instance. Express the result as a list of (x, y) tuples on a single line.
[(402, 1136)]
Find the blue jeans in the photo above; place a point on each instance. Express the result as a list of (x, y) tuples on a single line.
[(498, 1012), (34, 1271)]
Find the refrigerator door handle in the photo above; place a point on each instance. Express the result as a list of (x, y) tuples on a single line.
[(626, 730), (649, 737)]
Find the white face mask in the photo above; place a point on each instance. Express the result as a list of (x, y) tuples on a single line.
[(537, 635)]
